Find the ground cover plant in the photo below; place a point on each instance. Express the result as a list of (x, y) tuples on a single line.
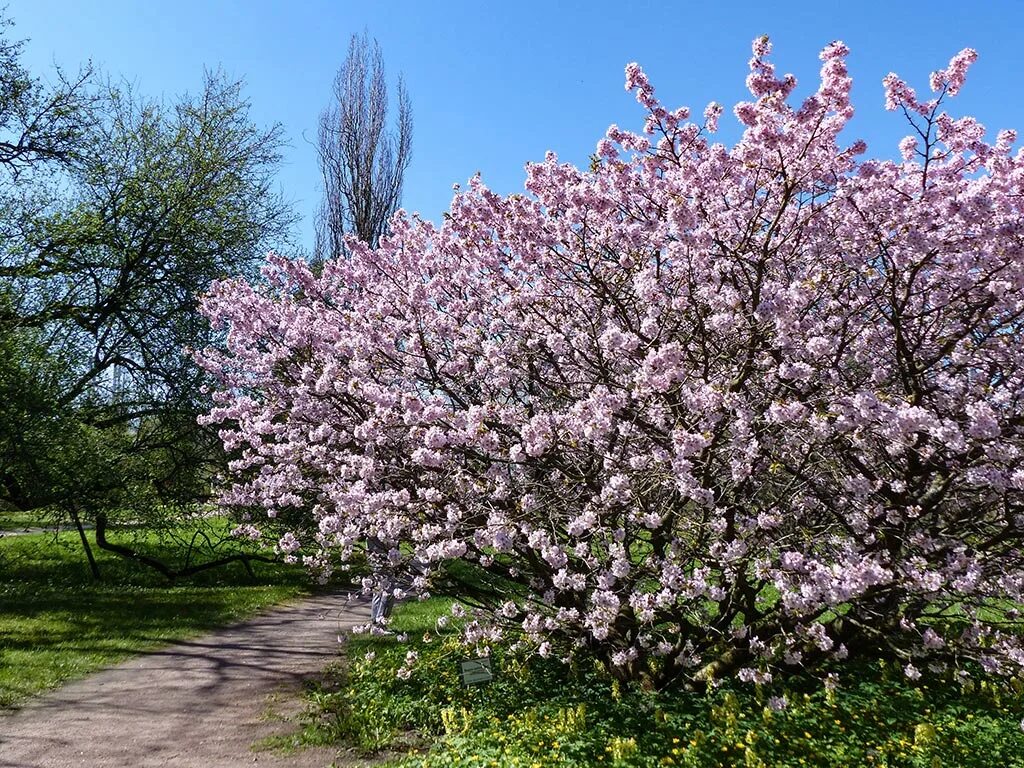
[(56, 623), (703, 412), (540, 712)]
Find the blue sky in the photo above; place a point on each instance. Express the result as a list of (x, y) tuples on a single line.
[(494, 85)]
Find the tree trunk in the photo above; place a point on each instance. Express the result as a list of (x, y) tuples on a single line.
[(169, 573), (93, 565)]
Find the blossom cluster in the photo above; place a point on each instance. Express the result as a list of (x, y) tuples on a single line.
[(704, 410)]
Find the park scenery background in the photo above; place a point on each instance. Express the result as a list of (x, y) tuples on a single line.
[(696, 432)]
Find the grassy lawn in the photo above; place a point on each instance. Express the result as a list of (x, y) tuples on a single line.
[(540, 713), (56, 624), (17, 520)]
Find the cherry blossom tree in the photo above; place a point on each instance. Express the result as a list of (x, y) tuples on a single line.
[(703, 411)]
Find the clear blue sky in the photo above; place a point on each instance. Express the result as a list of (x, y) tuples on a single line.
[(496, 84)]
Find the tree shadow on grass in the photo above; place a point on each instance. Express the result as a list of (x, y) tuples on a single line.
[(56, 624)]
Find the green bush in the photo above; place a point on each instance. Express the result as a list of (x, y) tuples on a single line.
[(541, 713)]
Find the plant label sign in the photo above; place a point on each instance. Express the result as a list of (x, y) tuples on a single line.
[(476, 671)]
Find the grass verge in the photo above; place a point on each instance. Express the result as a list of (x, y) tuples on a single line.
[(540, 713), (57, 624), (19, 520)]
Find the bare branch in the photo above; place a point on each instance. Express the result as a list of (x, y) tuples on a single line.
[(362, 162)]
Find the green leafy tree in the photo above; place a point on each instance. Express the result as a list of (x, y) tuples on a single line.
[(39, 124), (118, 211)]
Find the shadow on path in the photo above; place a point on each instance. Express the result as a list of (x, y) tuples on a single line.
[(195, 703)]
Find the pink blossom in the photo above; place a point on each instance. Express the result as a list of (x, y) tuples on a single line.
[(777, 703), (932, 640), (712, 112), (908, 149), (644, 391), (246, 531)]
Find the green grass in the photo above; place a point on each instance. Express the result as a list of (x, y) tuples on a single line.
[(18, 520), (540, 713), (56, 624)]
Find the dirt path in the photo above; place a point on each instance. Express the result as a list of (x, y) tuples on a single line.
[(201, 702)]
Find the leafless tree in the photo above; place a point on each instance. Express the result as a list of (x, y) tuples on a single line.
[(363, 161)]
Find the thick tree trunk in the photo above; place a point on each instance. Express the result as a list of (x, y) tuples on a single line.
[(127, 552)]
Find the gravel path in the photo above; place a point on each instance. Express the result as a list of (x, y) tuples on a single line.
[(8, 532), (199, 703)]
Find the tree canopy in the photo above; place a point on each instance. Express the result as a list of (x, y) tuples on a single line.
[(706, 410), (118, 210)]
